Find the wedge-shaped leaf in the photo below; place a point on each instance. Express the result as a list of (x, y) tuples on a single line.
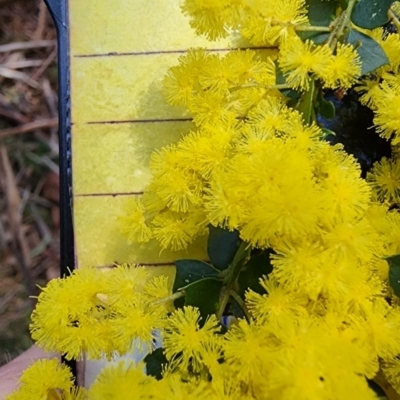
[(305, 104), (222, 246), (189, 271), (326, 133), (371, 53), (155, 362), (320, 13), (204, 294), (394, 273), (371, 14), (259, 265), (325, 107)]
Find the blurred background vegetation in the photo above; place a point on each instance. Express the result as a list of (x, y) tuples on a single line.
[(29, 203)]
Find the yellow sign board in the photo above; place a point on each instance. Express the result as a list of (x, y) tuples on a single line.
[(119, 53)]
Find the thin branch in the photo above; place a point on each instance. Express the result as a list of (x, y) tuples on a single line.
[(19, 76), (380, 379), (31, 126), (16, 116), (33, 44), (173, 297), (242, 304), (51, 57), (395, 19), (341, 25), (306, 28), (280, 86), (22, 64)]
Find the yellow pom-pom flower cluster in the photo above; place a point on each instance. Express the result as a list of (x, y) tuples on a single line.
[(324, 320), (112, 308)]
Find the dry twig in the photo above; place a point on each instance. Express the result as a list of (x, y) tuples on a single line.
[(22, 64), (34, 44), (20, 76), (29, 127), (20, 247), (52, 56)]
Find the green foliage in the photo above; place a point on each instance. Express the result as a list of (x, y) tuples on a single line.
[(370, 51), (202, 284), (320, 13), (189, 271), (327, 132), (222, 246), (306, 103), (371, 14), (259, 265), (205, 295), (394, 273), (324, 107), (155, 362)]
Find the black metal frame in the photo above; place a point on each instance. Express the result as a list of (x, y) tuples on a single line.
[(59, 12)]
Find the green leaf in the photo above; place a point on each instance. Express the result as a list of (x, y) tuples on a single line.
[(189, 271), (379, 392), (324, 107), (394, 273), (235, 309), (222, 246), (280, 77), (371, 53), (204, 294), (326, 133), (316, 37), (154, 363), (344, 4), (281, 80), (242, 253), (258, 266), (320, 13), (305, 104), (371, 14)]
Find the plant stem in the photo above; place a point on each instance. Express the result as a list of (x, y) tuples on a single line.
[(341, 25), (395, 19), (380, 379), (305, 28), (302, 28), (281, 86), (230, 279), (237, 264), (224, 298), (53, 394), (174, 296), (242, 304), (347, 16)]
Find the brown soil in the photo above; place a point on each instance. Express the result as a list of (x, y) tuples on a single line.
[(29, 221)]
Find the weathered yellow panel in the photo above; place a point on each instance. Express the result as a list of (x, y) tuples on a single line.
[(107, 86), (113, 158), (100, 243), (103, 26), (121, 88)]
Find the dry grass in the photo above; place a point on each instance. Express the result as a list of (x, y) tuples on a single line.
[(29, 221)]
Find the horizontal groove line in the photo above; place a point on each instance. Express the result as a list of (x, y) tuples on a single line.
[(140, 264), (141, 121), (156, 52), (108, 194), (146, 264)]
